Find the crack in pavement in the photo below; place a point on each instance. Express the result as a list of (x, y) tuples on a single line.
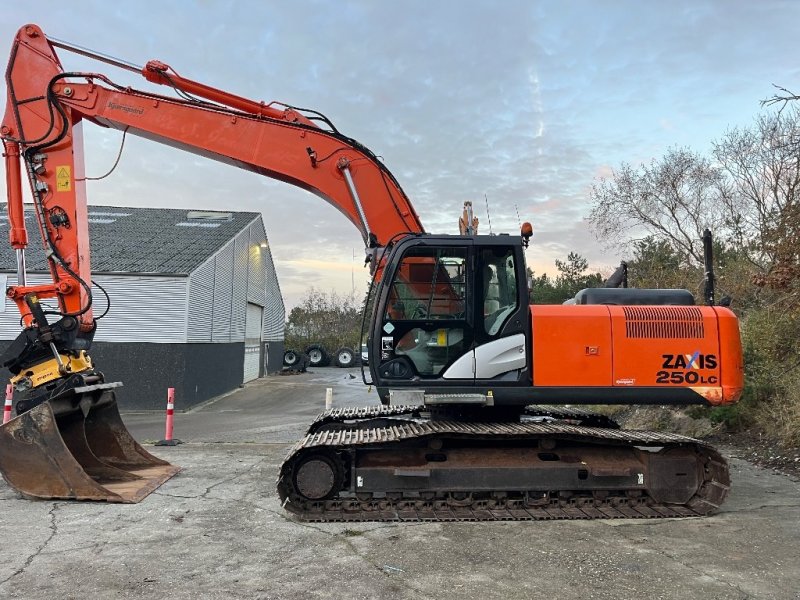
[(744, 595), (285, 516), (53, 531), (403, 582), (340, 536), (240, 501), (205, 494), (164, 494), (96, 548)]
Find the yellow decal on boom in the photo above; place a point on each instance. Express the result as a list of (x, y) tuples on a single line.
[(64, 178)]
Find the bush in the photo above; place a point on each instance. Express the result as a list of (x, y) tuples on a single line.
[(771, 400), (780, 416), (328, 319)]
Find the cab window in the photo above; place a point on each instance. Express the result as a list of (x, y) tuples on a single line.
[(429, 284)]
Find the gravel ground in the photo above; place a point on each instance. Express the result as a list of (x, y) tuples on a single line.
[(763, 451)]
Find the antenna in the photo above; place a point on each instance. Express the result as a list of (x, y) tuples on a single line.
[(516, 208), (488, 216)]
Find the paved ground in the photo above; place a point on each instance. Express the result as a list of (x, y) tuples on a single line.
[(217, 531), (277, 409)]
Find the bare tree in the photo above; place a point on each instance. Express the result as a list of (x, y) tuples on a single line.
[(763, 165), (672, 199), (783, 97)]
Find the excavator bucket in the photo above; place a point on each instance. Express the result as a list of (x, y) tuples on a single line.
[(79, 449)]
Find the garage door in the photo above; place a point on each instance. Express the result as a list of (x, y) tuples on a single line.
[(252, 341)]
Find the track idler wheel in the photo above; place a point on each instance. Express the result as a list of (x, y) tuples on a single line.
[(318, 476)]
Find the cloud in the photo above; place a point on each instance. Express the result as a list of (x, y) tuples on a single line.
[(524, 104)]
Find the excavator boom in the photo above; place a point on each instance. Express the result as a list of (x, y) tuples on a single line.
[(47, 104)]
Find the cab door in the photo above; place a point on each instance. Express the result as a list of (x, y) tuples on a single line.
[(500, 341)]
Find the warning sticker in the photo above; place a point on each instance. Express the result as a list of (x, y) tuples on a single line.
[(64, 179)]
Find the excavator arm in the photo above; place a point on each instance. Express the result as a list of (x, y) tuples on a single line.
[(80, 447), (68, 440)]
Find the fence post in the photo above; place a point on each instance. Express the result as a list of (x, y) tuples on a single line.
[(168, 439), (7, 406)]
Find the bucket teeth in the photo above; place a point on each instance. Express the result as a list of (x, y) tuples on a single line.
[(68, 455)]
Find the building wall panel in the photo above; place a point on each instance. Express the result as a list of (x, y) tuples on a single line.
[(223, 295), (200, 303), (274, 310), (241, 268), (143, 308), (256, 292)]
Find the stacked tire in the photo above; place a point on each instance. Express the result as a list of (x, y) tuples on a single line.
[(295, 361), (345, 357), (317, 356)]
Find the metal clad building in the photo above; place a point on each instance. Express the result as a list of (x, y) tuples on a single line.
[(195, 301)]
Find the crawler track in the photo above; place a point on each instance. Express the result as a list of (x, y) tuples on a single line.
[(354, 416), (336, 440)]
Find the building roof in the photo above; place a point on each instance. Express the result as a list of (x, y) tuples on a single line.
[(139, 240)]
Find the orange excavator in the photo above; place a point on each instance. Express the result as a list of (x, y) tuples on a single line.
[(471, 377)]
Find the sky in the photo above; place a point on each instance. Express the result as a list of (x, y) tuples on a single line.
[(521, 104)]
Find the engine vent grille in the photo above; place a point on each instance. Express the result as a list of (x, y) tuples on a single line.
[(663, 322)]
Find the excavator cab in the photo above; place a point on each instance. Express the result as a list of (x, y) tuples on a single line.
[(451, 312)]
